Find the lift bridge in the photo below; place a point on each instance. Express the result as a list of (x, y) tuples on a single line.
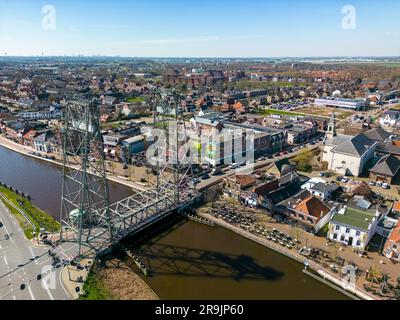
[(87, 216)]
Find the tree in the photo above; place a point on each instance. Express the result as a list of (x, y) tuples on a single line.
[(384, 282), (374, 274), (336, 247), (397, 293)]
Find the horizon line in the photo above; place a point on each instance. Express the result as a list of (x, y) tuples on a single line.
[(199, 57)]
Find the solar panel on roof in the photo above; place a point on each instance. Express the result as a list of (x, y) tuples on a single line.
[(364, 204)]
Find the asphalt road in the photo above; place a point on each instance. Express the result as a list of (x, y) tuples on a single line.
[(21, 262), (249, 169)]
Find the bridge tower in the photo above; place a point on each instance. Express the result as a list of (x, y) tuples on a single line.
[(168, 115), (85, 214)]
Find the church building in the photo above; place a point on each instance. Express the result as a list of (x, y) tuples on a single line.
[(347, 155)]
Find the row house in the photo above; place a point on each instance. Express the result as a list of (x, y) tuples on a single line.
[(307, 211), (392, 245)]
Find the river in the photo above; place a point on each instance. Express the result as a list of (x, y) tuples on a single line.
[(189, 260)]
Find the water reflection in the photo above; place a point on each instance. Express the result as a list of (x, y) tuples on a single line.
[(183, 261)]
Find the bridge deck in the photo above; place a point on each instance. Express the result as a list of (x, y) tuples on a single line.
[(134, 213)]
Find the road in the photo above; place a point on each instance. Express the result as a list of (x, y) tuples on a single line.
[(250, 168), (21, 262)]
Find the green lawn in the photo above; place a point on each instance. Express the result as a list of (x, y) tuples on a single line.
[(268, 112), (112, 125), (39, 218), (136, 100)]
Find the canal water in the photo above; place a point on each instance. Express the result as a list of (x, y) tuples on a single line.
[(188, 260), (42, 180)]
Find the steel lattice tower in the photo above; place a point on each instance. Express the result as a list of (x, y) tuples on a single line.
[(85, 213), (169, 114)]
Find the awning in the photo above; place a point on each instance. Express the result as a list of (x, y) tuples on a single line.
[(105, 150)]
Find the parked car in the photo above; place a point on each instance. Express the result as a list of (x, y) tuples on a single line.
[(385, 186), (234, 166), (339, 178), (205, 176), (195, 181), (379, 184), (345, 179), (321, 174), (371, 183), (216, 172)]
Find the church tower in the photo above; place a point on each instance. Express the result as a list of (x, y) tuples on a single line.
[(331, 127)]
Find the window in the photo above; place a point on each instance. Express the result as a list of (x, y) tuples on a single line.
[(335, 236), (342, 238), (337, 228), (358, 243), (358, 233), (347, 230), (394, 246)]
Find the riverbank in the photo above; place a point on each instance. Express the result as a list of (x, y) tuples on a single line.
[(110, 282), (30, 218), (27, 151), (290, 254)]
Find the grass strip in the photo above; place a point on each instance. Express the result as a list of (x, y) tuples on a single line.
[(39, 218), (94, 288)]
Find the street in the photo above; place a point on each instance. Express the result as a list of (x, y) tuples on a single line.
[(21, 262), (250, 168)]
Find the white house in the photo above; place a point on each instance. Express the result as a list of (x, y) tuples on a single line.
[(318, 187), (390, 118), (356, 223)]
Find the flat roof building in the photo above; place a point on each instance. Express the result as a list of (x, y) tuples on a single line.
[(353, 104)]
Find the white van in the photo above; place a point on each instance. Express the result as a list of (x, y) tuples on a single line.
[(234, 166)]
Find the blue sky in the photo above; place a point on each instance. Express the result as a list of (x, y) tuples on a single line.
[(207, 28)]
